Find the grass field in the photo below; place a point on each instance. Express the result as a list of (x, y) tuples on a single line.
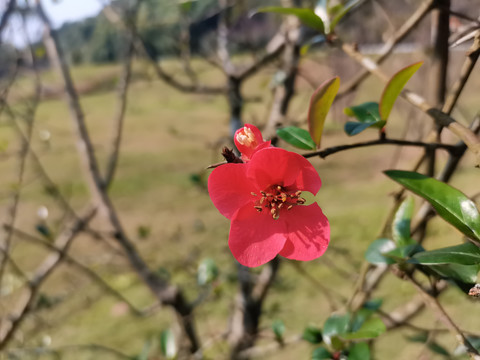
[(160, 185)]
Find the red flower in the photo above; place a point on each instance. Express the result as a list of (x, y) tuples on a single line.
[(262, 200), (249, 140)]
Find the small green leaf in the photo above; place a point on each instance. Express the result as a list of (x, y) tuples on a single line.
[(306, 16), (395, 87), (377, 248), (207, 272), (278, 328), (365, 113), (401, 253), (312, 334), (297, 137), (359, 351), (371, 328), (401, 223), (451, 204), (321, 353), (373, 304), (336, 324), (320, 104), (464, 254), (354, 128), (168, 346)]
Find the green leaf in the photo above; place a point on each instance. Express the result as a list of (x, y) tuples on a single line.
[(207, 272), (464, 273), (168, 346), (278, 328), (336, 324), (320, 104), (464, 254), (371, 328), (395, 87), (377, 248), (321, 353), (401, 223), (354, 128), (312, 334), (451, 204), (401, 253), (365, 113), (373, 304), (432, 345), (340, 13), (359, 351), (297, 137), (306, 16)]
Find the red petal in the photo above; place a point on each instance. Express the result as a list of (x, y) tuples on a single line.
[(255, 238), (248, 151), (230, 189), (308, 233), (274, 166)]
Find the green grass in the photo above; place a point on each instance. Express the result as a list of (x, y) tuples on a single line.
[(169, 137)]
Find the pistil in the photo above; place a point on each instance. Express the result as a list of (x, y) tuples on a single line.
[(277, 198)]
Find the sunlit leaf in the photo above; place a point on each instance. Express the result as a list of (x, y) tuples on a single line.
[(297, 137), (306, 16), (377, 248), (371, 328), (320, 104), (451, 204), (401, 223), (336, 324), (464, 254), (168, 346), (395, 87)]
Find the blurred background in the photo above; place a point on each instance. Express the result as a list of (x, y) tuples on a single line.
[(161, 86)]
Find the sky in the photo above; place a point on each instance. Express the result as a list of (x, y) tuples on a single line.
[(59, 11)]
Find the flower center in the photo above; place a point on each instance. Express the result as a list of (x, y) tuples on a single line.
[(246, 137), (276, 198)]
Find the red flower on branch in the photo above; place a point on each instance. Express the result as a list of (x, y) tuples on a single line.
[(262, 200), (249, 140)]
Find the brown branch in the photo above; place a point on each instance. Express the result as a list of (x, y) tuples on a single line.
[(440, 118), (166, 293), (27, 303), (335, 149), (389, 46), (433, 303), (83, 268)]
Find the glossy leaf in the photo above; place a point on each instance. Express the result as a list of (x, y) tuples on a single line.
[(464, 273), (336, 324), (320, 104), (207, 272), (401, 223), (395, 87), (312, 334), (306, 16), (168, 346), (353, 128), (402, 253), (359, 351), (464, 254), (321, 353), (297, 137), (451, 204), (371, 328), (365, 113), (377, 248)]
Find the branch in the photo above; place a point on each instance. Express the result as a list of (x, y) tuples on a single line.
[(166, 293), (441, 119), (389, 46), (441, 314), (10, 8), (335, 149)]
